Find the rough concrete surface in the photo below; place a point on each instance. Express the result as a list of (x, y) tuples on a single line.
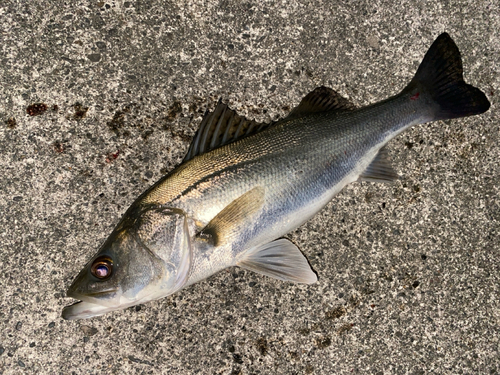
[(408, 273)]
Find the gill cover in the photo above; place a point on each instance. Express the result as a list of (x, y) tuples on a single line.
[(164, 232)]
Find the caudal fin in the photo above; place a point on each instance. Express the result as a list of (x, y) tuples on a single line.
[(440, 75)]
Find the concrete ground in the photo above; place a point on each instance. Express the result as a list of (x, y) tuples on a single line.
[(408, 273)]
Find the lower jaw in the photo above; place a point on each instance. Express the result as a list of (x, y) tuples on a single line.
[(85, 310)]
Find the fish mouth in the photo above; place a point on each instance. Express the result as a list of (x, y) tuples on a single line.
[(89, 308), (89, 295), (89, 304), (85, 310), (100, 293)]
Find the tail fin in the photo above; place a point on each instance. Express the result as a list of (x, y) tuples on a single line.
[(440, 76)]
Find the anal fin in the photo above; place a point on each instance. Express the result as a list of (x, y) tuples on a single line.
[(380, 169), (279, 259)]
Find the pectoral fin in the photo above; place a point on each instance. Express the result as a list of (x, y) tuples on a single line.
[(280, 259), (228, 223)]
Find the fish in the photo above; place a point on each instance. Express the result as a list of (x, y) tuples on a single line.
[(244, 185)]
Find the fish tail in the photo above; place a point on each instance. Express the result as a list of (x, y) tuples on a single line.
[(440, 77)]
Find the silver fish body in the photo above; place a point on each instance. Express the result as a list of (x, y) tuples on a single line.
[(238, 191), (300, 164)]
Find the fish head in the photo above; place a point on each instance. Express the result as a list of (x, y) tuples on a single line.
[(148, 256)]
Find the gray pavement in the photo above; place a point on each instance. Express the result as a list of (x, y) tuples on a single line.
[(408, 273)]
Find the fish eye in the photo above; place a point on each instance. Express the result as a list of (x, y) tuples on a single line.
[(102, 268)]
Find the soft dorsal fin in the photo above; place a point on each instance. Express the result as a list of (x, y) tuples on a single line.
[(380, 169), (321, 99), (220, 127)]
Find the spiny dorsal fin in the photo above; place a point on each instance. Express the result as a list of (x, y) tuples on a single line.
[(228, 223), (220, 127), (322, 99), (380, 169)]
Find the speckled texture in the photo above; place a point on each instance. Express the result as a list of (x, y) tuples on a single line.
[(408, 273)]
